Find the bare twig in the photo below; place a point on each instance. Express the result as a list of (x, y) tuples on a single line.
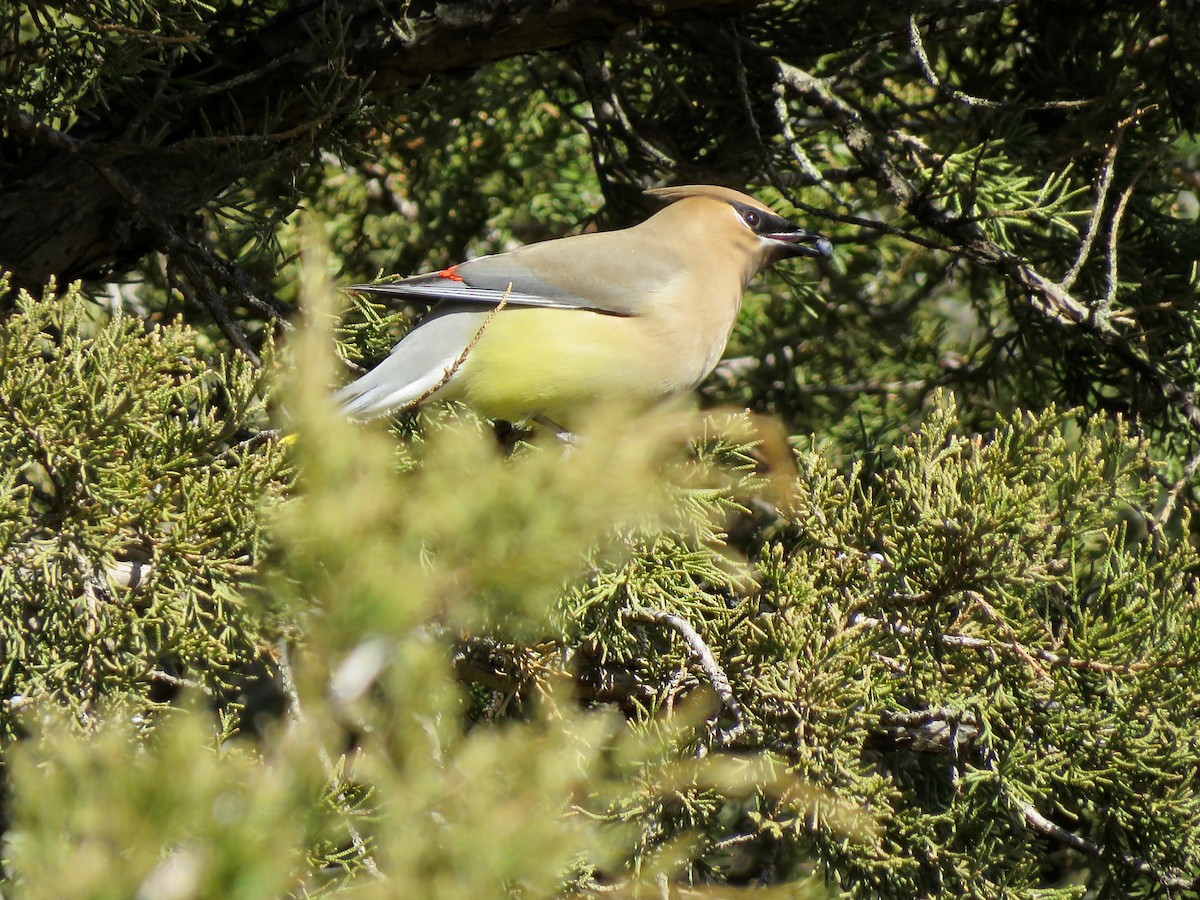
[(789, 135), (861, 388), (190, 144), (462, 357), (296, 717), (1114, 228), (599, 69), (1107, 168), (918, 48), (1026, 654), (1013, 644), (92, 603), (704, 656), (1089, 235), (1159, 521), (939, 730), (206, 293), (1043, 826), (251, 443), (178, 682), (785, 126)]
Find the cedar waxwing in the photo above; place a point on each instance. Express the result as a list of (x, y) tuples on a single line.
[(638, 314)]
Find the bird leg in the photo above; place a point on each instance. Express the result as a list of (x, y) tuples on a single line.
[(567, 437)]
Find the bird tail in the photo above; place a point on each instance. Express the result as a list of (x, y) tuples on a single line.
[(418, 367)]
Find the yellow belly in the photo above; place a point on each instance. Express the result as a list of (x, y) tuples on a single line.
[(551, 362)]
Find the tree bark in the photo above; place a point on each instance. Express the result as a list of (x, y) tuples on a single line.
[(65, 207)]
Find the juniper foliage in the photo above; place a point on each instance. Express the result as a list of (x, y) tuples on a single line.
[(134, 473), (952, 655)]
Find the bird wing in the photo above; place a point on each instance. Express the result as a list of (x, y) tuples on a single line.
[(418, 367), (488, 280), (586, 271)]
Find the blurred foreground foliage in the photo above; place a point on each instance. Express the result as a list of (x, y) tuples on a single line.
[(974, 641), (248, 649)]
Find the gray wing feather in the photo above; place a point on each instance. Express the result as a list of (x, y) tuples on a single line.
[(488, 279), (416, 366)]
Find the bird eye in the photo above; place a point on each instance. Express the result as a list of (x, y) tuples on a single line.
[(751, 218)]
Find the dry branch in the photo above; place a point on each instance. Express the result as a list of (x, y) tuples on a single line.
[(58, 214)]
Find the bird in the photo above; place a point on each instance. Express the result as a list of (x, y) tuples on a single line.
[(536, 334)]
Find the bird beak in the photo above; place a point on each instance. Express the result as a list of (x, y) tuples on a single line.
[(800, 243)]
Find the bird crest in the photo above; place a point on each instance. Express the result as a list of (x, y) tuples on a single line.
[(712, 191)]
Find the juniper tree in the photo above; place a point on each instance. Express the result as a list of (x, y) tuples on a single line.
[(953, 654)]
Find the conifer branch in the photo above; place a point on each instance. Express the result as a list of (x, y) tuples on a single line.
[(938, 730), (1157, 522), (508, 668), (704, 656), (1045, 827), (943, 730), (270, 85), (874, 150), (1027, 654), (198, 262), (918, 48)]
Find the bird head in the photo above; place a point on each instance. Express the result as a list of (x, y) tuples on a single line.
[(752, 224)]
